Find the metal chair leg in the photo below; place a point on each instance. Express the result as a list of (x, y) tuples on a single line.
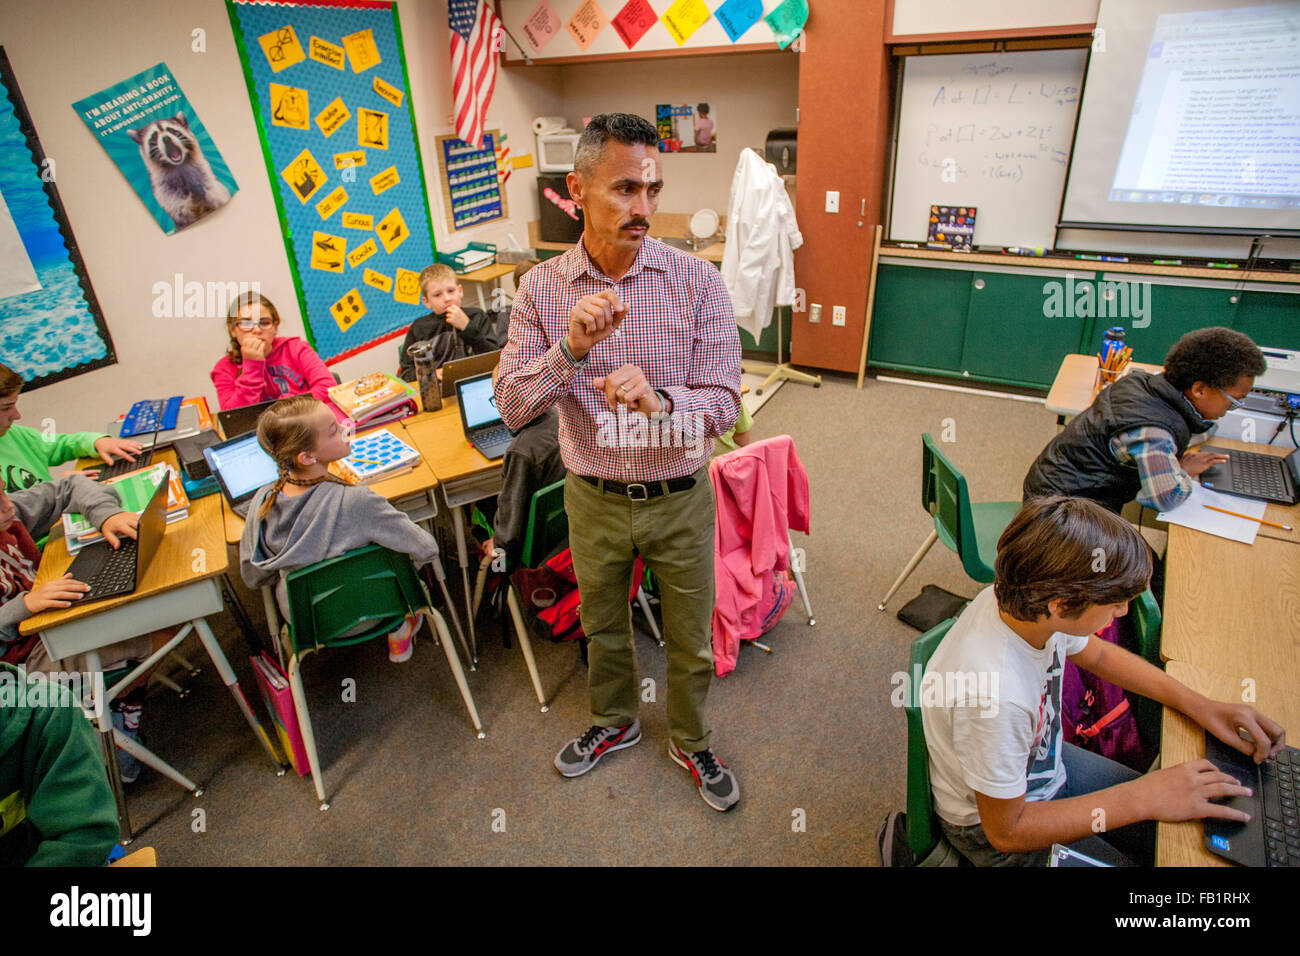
[(911, 566), (304, 728), (440, 626), (524, 645), (644, 602)]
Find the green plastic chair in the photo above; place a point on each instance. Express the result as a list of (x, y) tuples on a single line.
[(923, 833), (1147, 620), (970, 530), (356, 597)]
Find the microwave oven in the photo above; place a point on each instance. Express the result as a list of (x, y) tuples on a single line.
[(555, 151)]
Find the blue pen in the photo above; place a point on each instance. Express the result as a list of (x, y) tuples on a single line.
[(1114, 258)]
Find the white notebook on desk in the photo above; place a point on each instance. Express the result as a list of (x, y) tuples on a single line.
[(1193, 513)]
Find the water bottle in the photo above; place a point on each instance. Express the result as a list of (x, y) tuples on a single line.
[(426, 376), (1113, 341)]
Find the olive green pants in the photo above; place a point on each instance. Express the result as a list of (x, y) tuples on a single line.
[(673, 534)]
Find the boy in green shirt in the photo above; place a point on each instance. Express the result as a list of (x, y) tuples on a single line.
[(26, 454)]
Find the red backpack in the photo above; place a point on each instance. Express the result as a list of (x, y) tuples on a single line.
[(550, 596)]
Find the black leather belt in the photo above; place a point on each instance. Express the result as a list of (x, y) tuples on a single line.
[(641, 490)]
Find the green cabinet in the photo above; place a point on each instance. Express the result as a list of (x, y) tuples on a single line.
[(927, 318), (1019, 326)]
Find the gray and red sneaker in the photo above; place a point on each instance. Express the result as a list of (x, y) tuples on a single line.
[(581, 753), (717, 784)]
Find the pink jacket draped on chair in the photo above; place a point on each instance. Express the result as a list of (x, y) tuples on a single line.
[(762, 495)]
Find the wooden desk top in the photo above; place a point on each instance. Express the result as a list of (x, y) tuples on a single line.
[(1182, 844), (200, 534), (419, 479), (440, 439), (1072, 388), (1233, 607), (487, 273)]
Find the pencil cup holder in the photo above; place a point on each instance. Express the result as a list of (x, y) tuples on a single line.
[(426, 376)]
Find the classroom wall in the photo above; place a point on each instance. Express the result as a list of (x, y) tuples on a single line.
[(63, 50), (929, 17), (750, 94)]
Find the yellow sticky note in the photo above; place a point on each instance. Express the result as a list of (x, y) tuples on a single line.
[(289, 107), (356, 157), (685, 17), (333, 116), (327, 251), (378, 280), (522, 162), (357, 220), (407, 288), (362, 252), (392, 230), (304, 175), (330, 204), (282, 48), (388, 91), (385, 180), (372, 128), (348, 310), (362, 52), (322, 51)]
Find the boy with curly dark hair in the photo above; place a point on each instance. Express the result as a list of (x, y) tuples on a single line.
[(1133, 440)]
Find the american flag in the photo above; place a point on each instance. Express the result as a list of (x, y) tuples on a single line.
[(474, 29)]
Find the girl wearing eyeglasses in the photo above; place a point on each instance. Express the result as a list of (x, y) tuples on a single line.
[(260, 365)]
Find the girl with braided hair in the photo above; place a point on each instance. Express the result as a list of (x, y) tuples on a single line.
[(308, 515)]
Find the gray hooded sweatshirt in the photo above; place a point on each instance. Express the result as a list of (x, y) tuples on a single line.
[(327, 521)]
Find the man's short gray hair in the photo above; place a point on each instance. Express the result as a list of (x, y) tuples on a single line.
[(626, 128)]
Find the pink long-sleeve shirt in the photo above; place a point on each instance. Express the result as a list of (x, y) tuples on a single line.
[(290, 368)]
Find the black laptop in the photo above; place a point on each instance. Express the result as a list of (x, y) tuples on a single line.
[(111, 572), (1248, 474), (480, 418), (1272, 835), (241, 467), (455, 370), (239, 421)]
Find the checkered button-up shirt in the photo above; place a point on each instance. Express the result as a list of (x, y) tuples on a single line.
[(679, 330)]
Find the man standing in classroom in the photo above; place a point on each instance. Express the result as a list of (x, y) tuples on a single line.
[(635, 343)]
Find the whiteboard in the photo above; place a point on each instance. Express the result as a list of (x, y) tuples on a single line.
[(989, 130)]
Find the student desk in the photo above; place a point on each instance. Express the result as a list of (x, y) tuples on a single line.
[(1072, 389), (1183, 844), (180, 587), (464, 474), (481, 277)]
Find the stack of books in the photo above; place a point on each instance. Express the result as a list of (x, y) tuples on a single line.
[(375, 399), (375, 456), (134, 489)]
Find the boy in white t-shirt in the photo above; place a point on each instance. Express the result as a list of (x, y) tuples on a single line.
[(1006, 787)]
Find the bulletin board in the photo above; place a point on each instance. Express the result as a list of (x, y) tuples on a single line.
[(472, 190), (329, 87)]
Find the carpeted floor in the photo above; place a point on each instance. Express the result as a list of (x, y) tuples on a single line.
[(809, 729)]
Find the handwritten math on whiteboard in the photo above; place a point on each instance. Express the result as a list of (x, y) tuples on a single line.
[(991, 131)]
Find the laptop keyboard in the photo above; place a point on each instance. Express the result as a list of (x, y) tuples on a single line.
[(493, 435), (1257, 475), (118, 573), (1278, 785), (122, 466)]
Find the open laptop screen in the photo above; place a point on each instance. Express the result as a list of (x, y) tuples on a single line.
[(242, 466), (478, 403)]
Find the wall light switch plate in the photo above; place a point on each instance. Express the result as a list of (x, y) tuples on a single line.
[(815, 312), (838, 315), (832, 201)]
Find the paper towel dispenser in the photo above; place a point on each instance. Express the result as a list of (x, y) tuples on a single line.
[(781, 150)]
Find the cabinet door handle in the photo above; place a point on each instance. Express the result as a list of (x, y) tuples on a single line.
[(1232, 299), (978, 283)]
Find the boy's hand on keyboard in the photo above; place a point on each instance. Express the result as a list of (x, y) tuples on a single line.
[(60, 592), (1196, 462), (1184, 791), (1225, 720), (121, 447), (117, 526)]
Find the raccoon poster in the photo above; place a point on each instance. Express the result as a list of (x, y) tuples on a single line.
[(147, 126)]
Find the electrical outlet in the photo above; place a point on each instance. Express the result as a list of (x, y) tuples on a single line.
[(815, 312), (837, 315), (832, 201)]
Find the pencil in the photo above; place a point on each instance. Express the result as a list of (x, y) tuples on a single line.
[(1271, 524)]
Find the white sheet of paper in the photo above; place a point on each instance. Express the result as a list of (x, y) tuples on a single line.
[(1192, 513), (16, 272)]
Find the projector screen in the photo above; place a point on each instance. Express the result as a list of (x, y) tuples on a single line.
[(1190, 119)]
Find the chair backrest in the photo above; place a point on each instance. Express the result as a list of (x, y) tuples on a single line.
[(1146, 622), (922, 831), (944, 495), (332, 599), (548, 525)]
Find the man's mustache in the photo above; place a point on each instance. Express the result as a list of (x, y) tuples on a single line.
[(633, 223)]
